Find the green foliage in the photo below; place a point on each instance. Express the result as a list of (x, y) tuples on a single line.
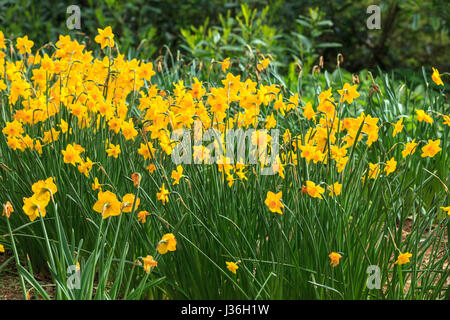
[(234, 37), (412, 33), (307, 39)]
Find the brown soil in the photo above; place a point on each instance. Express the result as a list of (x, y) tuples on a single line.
[(10, 288), (407, 227)]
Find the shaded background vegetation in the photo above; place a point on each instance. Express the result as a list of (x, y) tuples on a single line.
[(413, 33)]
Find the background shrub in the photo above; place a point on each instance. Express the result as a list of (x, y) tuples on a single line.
[(413, 33)]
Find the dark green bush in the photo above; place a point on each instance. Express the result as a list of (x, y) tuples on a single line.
[(413, 33)]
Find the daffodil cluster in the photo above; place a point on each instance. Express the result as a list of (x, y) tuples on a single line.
[(58, 94), (43, 191)]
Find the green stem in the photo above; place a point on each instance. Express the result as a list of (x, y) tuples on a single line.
[(400, 277), (16, 256)]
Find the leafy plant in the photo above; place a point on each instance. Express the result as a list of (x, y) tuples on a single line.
[(235, 37), (307, 40)]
